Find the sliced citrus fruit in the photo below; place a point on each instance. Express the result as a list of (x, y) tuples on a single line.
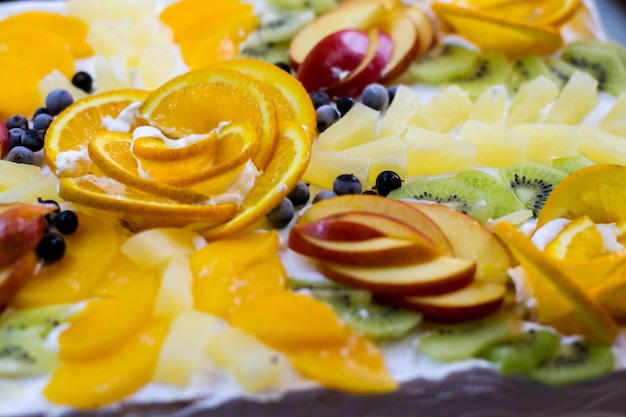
[(580, 239), (610, 293), (495, 33), (199, 101), (76, 125), (157, 149), (561, 302), (180, 15), (596, 191), (290, 98), (542, 12), (285, 169)]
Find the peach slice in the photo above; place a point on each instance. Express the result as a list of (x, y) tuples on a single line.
[(439, 275), (380, 205), (424, 25), (473, 301), (405, 37), (13, 277), (21, 229)]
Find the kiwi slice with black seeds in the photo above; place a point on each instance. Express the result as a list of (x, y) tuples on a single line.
[(503, 200), (491, 68), (277, 27), (443, 63), (450, 191), (526, 68), (381, 322), (531, 182), (523, 352), (574, 362), (560, 70), (254, 48), (570, 164), (318, 6), (602, 63)]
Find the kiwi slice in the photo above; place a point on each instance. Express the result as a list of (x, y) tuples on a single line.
[(490, 68), (526, 68), (254, 48), (560, 70), (523, 352), (381, 322), (466, 340), (318, 6), (603, 64), (616, 47), (503, 200), (574, 362), (570, 164), (443, 63), (531, 182), (282, 26), (451, 192)]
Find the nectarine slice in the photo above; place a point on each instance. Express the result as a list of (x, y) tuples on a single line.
[(406, 44)]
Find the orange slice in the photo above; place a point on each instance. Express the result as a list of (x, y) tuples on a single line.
[(561, 302), (495, 33), (75, 126), (180, 15), (155, 149), (579, 239), (544, 12), (290, 97), (596, 191), (285, 169), (199, 101)]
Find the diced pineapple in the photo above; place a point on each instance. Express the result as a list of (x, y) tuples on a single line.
[(252, 364), (490, 106), (56, 80), (109, 38), (325, 166), (444, 111), (401, 110), (577, 98), (549, 141), (152, 248), (496, 146), (532, 97), (184, 347), (156, 66), (12, 174), (111, 73), (28, 192), (357, 126), (130, 10), (615, 120), (175, 295), (387, 153), (602, 147), (433, 153)]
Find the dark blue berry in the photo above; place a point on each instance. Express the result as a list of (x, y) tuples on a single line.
[(52, 215), (21, 155), (324, 195), (57, 100), (375, 96), (370, 192), (282, 214), (391, 91), (347, 184), (51, 247), (66, 222), (283, 66), (17, 121), (387, 181), (42, 121), (32, 139), (83, 80), (40, 110), (300, 194), (15, 137), (327, 115), (319, 98), (344, 104)]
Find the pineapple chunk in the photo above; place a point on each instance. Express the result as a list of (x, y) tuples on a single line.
[(496, 146), (615, 120), (56, 80), (12, 174), (28, 192), (111, 73), (577, 98), (490, 106), (602, 147), (357, 126), (388, 153), (549, 141), (400, 112), (325, 166), (152, 248), (252, 364), (433, 153), (183, 349), (444, 111), (531, 98), (175, 293), (156, 66)]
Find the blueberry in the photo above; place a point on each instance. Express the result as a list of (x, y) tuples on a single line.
[(324, 195), (32, 139), (300, 194), (83, 80), (370, 192), (42, 121), (57, 100), (347, 184), (344, 104), (375, 96), (283, 66), (66, 222), (17, 121), (52, 215), (51, 247), (282, 214), (15, 137), (21, 155), (387, 181), (327, 115), (40, 110), (391, 91), (319, 98)]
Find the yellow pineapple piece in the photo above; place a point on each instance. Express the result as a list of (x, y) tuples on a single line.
[(549, 141), (433, 153), (28, 192), (325, 166), (13, 174), (496, 146), (601, 146), (152, 248), (531, 98), (615, 119), (444, 111), (156, 66), (56, 80), (386, 153), (577, 98), (400, 112), (490, 106), (357, 126), (175, 295), (111, 73)]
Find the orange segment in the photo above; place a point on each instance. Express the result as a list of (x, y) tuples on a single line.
[(543, 12), (181, 14), (155, 149), (198, 101), (596, 191), (74, 127), (579, 239), (18, 97), (285, 169), (561, 302)]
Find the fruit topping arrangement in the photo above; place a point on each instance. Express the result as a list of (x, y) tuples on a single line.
[(277, 194)]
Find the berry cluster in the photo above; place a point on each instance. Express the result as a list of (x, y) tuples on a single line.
[(60, 222)]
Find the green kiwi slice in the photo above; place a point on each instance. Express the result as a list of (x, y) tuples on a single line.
[(466, 340), (526, 68), (570, 164), (560, 70), (318, 6), (503, 200), (450, 191), (574, 362), (523, 352), (603, 64), (491, 68), (443, 63), (255, 48), (531, 182), (282, 26)]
